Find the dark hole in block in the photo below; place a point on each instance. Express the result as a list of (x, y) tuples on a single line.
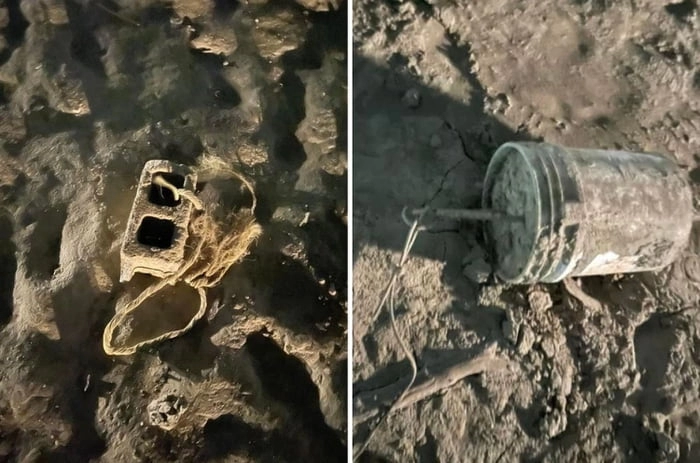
[(156, 232), (163, 196)]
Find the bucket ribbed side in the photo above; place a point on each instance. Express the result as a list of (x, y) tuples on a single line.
[(598, 212)]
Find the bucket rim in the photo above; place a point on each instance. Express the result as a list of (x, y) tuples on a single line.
[(523, 150)]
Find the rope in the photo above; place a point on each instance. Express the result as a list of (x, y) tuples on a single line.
[(389, 295), (212, 253)]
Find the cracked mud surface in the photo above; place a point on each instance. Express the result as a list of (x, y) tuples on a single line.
[(438, 87), (89, 91)]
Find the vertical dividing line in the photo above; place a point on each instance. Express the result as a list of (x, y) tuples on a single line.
[(350, 208)]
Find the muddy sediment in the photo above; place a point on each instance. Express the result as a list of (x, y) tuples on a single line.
[(513, 193), (90, 91), (438, 87)]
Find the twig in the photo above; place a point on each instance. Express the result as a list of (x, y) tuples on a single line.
[(486, 361), (429, 385)]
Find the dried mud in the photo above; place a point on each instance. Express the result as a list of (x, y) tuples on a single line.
[(438, 86), (89, 91), (514, 193)]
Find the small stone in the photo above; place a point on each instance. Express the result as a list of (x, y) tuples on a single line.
[(475, 267), (279, 32), (218, 41), (66, 93), (477, 272), (193, 8), (412, 98), (435, 141)]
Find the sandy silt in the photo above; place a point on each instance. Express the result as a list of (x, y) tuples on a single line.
[(479, 349)]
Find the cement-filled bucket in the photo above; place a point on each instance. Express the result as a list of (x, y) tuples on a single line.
[(584, 212)]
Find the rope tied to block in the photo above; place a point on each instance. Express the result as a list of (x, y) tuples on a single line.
[(210, 252)]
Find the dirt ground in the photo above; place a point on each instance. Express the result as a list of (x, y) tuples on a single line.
[(438, 86), (91, 90)]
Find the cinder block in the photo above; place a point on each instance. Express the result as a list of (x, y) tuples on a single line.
[(154, 242)]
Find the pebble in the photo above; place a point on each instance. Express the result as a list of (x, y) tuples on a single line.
[(477, 271), (475, 267)]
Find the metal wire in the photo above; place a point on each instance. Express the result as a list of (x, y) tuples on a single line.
[(389, 295)]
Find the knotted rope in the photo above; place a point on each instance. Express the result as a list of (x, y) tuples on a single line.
[(210, 252)]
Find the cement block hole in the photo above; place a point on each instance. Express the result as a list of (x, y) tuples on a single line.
[(155, 232), (163, 196)]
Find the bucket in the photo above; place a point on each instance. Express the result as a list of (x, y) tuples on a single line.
[(583, 212)]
